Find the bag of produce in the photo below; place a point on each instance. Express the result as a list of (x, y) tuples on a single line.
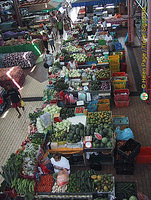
[(92, 107), (46, 119), (63, 177), (125, 134)]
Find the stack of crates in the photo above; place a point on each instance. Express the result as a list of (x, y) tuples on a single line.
[(121, 98), (103, 105), (119, 80), (114, 62), (123, 64), (124, 156)]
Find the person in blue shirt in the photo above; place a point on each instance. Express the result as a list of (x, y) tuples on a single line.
[(95, 19)]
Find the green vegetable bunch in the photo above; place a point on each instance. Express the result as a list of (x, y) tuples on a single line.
[(33, 116), (12, 168), (24, 187)]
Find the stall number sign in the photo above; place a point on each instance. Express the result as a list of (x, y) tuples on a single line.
[(144, 96)]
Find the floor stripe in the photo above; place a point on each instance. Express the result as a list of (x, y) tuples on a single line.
[(135, 69)]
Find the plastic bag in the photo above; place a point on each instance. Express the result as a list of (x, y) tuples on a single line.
[(46, 119), (23, 103), (92, 107), (63, 177), (125, 134)]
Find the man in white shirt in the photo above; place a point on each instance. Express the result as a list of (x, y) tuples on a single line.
[(104, 24), (89, 29), (60, 163), (109, 42), (85, 19), (48, 61)]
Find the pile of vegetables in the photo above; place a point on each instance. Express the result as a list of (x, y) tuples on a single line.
[(59, 189), (33, 116), (103, 183), (61, 86), (24, 187), (101, 135), (91, 59), (53, 109), (74, 73), (105, 85), (40, 127), (103, 74), (45, 183), (49, 94), (126, 190), (64, 72), (95, 85), (66, 113), (36, 138), (102, 59), (79, 57), (12, 168), (71, 48), (76, 132), (30, 155), (60, 131), (81, 181), (99, 117)]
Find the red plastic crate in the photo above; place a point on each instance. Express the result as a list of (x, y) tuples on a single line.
[(117, 74), (121, 95), (123, 67), (144, 157), (121, 104)]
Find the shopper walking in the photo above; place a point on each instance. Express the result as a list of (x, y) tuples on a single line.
[(15, 98), (51, 41), (45, 41), (89, 28), (104, 24), (48, 61), (60, 28)]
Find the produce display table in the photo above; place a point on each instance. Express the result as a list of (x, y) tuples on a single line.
[(11, 34), (36, 48), (124, 18), (66, 151)]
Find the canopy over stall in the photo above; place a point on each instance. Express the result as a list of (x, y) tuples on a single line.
[(79, 3), (41, 5)]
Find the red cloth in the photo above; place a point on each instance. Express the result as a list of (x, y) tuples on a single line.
[(15, 105), (1, 101), (44, 169)]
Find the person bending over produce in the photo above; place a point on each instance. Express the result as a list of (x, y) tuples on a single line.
[(60, 163), (72, 64)]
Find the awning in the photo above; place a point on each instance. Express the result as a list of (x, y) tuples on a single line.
[(41, 5), (80, 3)]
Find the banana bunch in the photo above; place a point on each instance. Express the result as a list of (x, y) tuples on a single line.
[(59, 189), (23, 186)]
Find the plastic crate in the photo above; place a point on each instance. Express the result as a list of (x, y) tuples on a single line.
[(103, 105), (121, 95), (121, 104), (123, 67), (112, 62), (118, 74), (129, 189), (118, 46), (115, 68), (132, 146), (123, 122), (144, 157), (119, 84), (114, 57)]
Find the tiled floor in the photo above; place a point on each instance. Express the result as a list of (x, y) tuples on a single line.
[(13, 130)]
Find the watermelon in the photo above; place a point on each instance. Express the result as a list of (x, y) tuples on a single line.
[(98, 136)]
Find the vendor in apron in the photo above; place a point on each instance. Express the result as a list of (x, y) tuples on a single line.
[(72, 64), (109, 41)]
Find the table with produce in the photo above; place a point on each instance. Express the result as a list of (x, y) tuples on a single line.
[(74, 119)]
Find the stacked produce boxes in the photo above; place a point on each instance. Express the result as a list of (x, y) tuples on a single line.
[(114, 62)]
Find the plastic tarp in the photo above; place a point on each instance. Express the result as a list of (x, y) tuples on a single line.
[(79, 3)]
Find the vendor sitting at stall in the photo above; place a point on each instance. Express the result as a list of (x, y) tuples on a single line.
[(60, 163), (109, 41), (72, 64)]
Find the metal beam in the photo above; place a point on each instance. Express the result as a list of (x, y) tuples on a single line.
[(143, 3)]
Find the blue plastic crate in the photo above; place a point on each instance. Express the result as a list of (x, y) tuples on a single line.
[(118, 46)]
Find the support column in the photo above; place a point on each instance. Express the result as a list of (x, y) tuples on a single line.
[(130, 23), (148, 64), (17, 12)]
